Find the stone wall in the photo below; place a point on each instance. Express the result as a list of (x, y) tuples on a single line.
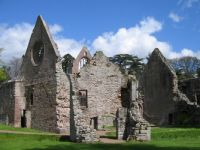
[(160, 84), (80, 129), (122, 131), (187, 114), (191, 87), (12, 102), (44, 97), (20, 102), (4, 119), (164, 103), (130, 122), (49, 109), (7, 101), (84, 53), (103, 82), (62, 100)]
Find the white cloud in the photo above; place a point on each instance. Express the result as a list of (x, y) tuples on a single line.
[(55, 28), (175, 17), (68, 46), (150, 25), (185, 52), (187, 3), (138, 40), (14, 39)]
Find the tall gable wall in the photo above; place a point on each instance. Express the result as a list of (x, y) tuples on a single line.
[(160, 83), (43, 75)]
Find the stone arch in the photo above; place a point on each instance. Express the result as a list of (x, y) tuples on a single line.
[(83, 58), (83, 61)]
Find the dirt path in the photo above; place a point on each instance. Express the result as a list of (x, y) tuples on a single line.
[(104, 139), (110, 141)]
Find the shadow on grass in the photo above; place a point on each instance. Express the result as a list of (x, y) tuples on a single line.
[(78, 146), (108, 137), (64, 138)]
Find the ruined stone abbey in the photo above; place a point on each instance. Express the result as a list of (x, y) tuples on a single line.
[(94, 94)]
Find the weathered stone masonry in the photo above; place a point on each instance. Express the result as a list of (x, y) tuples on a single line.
[(103, 82), (39, 98), (164, 103), (12, 99), (159, 85), (44, 97), (50, 108)]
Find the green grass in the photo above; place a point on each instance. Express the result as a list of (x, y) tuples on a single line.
[(10, 128), (111, 128), (176, 133), (162, 139)]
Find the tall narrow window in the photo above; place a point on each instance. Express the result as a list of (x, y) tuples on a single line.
[(83, 98), (31, 98)]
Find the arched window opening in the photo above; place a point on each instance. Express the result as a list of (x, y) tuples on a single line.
[(83, 62)]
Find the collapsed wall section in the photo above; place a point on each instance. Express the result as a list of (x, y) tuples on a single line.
[(191, 88), (130, 122)]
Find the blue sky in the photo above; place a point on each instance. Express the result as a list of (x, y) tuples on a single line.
[(114, 26)]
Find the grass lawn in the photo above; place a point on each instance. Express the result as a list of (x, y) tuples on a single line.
[(162, 139), (10, 128)]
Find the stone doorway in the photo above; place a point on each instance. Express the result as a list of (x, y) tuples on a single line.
[(94, 122), (170, 119), (23, 119)]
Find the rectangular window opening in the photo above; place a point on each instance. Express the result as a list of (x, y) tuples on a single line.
[(83, 98)]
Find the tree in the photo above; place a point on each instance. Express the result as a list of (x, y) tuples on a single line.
[(3, 75), (185, 67), (1, 62), (13, 67), (67, 63), (131, 63)]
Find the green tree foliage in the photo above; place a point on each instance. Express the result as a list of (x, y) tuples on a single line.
[(67, 63), (13, 67), (131, 63), (185, 67), (3, 75), (1, 62)]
